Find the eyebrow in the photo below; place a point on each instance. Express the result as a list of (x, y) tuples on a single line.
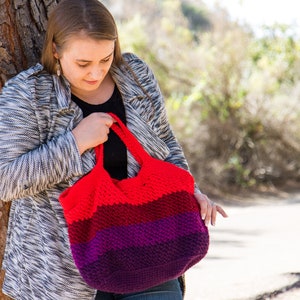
[(84, 60)]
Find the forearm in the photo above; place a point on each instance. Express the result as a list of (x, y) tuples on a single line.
[(37, 170)]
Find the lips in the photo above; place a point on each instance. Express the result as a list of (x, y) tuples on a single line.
[(93, 82)]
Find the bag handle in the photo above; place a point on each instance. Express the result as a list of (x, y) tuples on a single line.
[(130, 141)]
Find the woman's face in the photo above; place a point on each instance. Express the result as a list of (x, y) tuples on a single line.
[(85, 62)]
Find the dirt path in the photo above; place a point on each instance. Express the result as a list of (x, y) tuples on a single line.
[(254, 254)]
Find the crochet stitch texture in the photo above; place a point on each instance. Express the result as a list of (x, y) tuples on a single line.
[(131, 234)]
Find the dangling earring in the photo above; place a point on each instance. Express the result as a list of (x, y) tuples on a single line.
[(58, 68)]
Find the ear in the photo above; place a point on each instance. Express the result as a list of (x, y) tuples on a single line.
[(54, 51)]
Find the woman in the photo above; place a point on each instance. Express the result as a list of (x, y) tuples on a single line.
[(51, 117)]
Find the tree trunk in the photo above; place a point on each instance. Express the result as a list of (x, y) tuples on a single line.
[(22, 28)]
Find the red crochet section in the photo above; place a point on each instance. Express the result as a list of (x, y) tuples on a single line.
[(80, 201), (133, 191)]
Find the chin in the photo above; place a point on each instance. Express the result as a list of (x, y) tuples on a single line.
[(91, 87)]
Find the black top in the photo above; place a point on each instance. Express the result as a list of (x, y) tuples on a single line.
[(115, 152)]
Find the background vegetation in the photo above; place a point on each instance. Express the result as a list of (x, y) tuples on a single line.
[(232, 97)]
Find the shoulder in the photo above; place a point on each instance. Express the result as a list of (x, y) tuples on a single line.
[(26, 74), (133, 72), (28, 80), (141, 70), (129, 57), (27, 90), (135, 63)]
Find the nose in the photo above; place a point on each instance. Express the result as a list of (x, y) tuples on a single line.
[(96, 73)]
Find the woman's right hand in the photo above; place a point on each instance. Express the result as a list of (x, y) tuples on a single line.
[(92, 131)]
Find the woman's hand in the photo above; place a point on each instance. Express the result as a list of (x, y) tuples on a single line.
[(209, 209), (92, 131)]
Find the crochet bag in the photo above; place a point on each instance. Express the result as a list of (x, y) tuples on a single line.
[(129, 235)]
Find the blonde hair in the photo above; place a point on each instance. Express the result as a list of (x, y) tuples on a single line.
[(71, 17)]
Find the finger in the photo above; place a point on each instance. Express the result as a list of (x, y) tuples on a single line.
[(208, 215), (109, 116), (221, 211), (106, 119), (214, 215), (205, 208), (109, 121), (211, 213), (203, 202)]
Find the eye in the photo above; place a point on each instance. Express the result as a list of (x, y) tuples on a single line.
[(82, 65), (106, 60)]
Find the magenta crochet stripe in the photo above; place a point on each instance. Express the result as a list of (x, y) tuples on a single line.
[(138, 235), (118, 215), (142, 259)]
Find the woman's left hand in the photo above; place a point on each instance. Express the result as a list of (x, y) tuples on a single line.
[(209, 209)]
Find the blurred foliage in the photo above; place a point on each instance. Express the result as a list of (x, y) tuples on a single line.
[(196, 17), (232, 97)]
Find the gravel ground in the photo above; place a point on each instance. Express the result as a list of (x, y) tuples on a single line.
[(254, 254)]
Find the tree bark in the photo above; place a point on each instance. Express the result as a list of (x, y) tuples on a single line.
[(22, 28)]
